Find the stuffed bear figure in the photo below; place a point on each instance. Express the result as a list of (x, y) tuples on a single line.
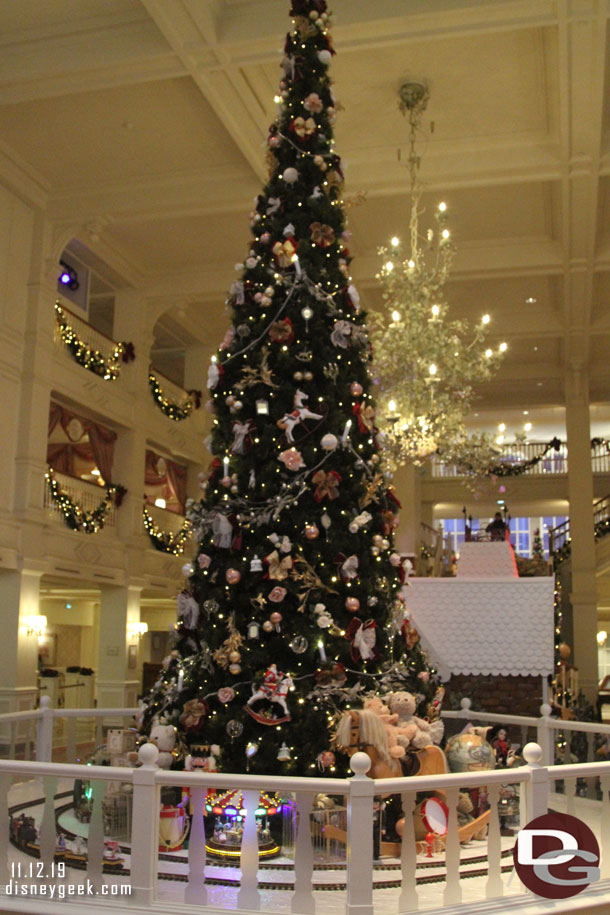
[(164, 736), (397, 739), (464, 809), (403, 704)]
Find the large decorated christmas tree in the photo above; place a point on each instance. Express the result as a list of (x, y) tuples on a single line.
[(291, 611)]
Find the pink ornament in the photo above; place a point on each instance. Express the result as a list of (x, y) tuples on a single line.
[(352, 604), (325, 759), (276, 618), (268, 626), (203, 561), (265, 238), (226, 694), (292, 459), (424, 676), (274, 142), (277, 595), (355, 389), (226, 482), (233, 576), (313, 103), (312, 532)]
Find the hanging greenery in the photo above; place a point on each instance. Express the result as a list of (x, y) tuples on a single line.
[(171, 408), (106, 367), (86, 522), (164, 541)]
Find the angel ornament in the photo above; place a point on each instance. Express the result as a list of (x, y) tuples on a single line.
[(300, 413)]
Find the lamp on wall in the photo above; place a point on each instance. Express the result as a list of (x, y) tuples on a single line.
[(135, 631), (602, 635), (68, 276), (35, 625)]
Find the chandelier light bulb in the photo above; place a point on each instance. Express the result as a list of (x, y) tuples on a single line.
[(527, 427), (489, 353), (500, 440), (445, 233), (433, 369), (485, 319), (442, 206), (395, 315), (436, 310), (411, 264), (389, 266), (503, 347), (395, 242), (502, 427), (392, 406)]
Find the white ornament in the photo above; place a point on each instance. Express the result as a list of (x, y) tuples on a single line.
[(395, 559), (329, 441), (324, 57), (290, 175), (187, 569)]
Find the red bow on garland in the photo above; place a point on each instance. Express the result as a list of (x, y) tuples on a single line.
[(365, 417)]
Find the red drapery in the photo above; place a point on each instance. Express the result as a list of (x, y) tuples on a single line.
[(174, 476), (99, 448)]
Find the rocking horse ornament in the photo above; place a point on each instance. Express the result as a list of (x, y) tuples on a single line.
[(274, 687), (296, 417)]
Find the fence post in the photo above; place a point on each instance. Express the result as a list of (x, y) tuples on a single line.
[(465, 706), (544, 731), (360, 838), (145, 826), (537, 786), (44, 736)]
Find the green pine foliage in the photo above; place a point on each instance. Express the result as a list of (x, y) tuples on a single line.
[(295, 564)]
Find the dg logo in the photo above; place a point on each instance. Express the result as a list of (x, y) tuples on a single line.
[(556, 856)]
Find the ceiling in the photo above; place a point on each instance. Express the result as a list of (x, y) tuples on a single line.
[(140, 126)]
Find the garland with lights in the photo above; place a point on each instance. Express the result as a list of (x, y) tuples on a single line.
[(106, 367), (164, 541), (86, 522), (171, 408)]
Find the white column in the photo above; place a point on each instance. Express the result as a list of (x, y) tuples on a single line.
[(117, 686), (19, 598), (583, 596), (407, 483)]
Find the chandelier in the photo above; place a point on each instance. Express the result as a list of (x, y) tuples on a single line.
[(425, 364)]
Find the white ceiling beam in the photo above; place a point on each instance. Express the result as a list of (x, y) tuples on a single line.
[(227, 93)]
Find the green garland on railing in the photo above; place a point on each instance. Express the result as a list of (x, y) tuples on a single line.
[(106, 367), (76, 517), (515, 470), (164, 541), (601, 529), (171, 408)]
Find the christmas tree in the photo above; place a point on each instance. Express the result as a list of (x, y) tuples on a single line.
[(537, 546), (291, 610)]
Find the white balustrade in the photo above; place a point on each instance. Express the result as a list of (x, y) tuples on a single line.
[(360, 791), (86, 495)]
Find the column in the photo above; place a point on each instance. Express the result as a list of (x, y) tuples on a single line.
[(407, 482), (117, 683), (580, 493), (19, 598)]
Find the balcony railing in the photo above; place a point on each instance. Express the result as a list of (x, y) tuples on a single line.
[(87, 495), (95, 339), (553, 462), (412, 882), (168, 521)]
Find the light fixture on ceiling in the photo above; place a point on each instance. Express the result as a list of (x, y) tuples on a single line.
[(68, 276)]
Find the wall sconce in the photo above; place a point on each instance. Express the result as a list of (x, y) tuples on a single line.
[(35, 625), (602, 635), (135, 631)]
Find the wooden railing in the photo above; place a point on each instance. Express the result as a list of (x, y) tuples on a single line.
[(537, 781), (87, 495)]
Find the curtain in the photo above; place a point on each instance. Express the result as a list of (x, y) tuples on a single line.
[(99, 448), (102, 443), (176, 477)]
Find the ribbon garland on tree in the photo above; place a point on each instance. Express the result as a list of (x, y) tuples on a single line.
[(86, 522), (171, 408), (165, 541), (106, 367)]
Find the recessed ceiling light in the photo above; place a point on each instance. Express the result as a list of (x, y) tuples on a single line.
[(525, 412), (530, 300), (535, 349)]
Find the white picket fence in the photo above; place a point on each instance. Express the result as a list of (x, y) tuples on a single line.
[(536, 780)]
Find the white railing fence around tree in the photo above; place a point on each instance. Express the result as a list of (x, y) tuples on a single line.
[(536, 780)]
